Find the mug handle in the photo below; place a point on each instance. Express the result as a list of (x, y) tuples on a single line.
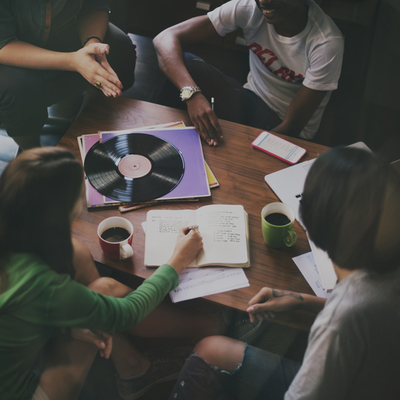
[(126, 251), (291, 239)]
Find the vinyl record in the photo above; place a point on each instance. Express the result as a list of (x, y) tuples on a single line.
[(134, 167)]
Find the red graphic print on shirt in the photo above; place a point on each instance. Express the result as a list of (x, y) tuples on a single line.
[(271, 61)]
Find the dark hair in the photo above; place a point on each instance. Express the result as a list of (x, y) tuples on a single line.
[(344, 206), (38, 191)]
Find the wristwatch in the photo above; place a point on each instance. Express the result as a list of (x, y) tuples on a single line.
[(188, 91)]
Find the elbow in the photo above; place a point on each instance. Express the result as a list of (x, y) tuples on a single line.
[(160, 40)]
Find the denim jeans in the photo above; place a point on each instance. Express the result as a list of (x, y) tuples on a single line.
[(232, 101), (261, 375)]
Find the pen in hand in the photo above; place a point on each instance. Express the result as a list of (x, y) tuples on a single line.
[(212, 127), (191, 228)]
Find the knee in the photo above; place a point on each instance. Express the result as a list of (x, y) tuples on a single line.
[(105, 285), (20, 84), (221, 352), (122, 55), (193, 63), (211, 349)]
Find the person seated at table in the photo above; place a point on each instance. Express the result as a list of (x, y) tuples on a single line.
[(51, 50), (295, 60), (49, 284), (350, 207)]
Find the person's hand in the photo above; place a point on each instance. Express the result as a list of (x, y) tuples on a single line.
[(91, 62), (203, 118), (102, 340), (188, 244), (269, 301)]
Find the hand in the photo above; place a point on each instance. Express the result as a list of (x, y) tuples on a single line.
[(188, 244), (102, 340), (268, 301), (203, 118), (91, 62)]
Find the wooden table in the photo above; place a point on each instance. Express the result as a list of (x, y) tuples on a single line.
[(240, 170)]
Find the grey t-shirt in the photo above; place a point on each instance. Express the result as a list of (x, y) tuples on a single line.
[(354, 344)]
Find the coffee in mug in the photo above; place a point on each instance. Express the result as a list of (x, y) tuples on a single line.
[(115, 237), (277, 221), (115, 234)]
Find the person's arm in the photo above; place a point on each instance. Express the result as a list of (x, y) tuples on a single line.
[(300, 110), (74, 305), (168, 45), (93, 25), (269, 301), (22, 54)]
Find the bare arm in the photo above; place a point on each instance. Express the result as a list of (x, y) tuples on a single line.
[(269, 301), (300, 110), (168, 45), (89, 61)]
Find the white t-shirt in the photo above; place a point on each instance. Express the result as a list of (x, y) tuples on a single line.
[(354, 344), (280, 65)]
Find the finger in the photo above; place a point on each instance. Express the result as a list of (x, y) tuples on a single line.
[(260, 297), (217, 127), (104, 63), (113, 77), (98, 48), (108, 349), (107, 86), (203, 131), (252, 317)]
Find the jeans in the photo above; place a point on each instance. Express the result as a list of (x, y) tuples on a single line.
[(232, 101), (261, 375), (26, 93)]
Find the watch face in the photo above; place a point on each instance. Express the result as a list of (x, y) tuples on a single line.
[(186, 93)]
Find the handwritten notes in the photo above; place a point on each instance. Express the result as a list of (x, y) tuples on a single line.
[(199, 282)]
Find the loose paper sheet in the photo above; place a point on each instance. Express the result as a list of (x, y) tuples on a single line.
[(199, 282), (307, 266)]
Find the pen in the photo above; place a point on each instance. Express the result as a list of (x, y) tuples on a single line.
[(212, 108), (191, 228)]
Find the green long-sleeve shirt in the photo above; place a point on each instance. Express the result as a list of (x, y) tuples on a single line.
[(37, 301)]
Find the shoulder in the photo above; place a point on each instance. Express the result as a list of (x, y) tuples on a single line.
[(29, 277), (243, 12), (361, 299), (322, 30)]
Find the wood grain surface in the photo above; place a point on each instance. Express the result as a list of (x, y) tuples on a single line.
[(240, 170)]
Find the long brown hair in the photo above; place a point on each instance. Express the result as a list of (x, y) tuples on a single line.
[(38, 191)]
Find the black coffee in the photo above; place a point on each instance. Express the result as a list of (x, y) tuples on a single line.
[(116, 234), (277, 219)]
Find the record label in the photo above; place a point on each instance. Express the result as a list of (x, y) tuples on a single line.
[(134, 167)]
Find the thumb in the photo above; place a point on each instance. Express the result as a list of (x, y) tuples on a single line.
[(98, 48), (261, 309), (258, 308)]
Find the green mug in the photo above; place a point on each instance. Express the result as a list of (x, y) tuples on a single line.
[(277, 221)]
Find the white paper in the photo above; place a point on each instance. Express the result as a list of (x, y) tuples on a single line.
[(325, 267), (288, 184), (199, 282), (307, 266)]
